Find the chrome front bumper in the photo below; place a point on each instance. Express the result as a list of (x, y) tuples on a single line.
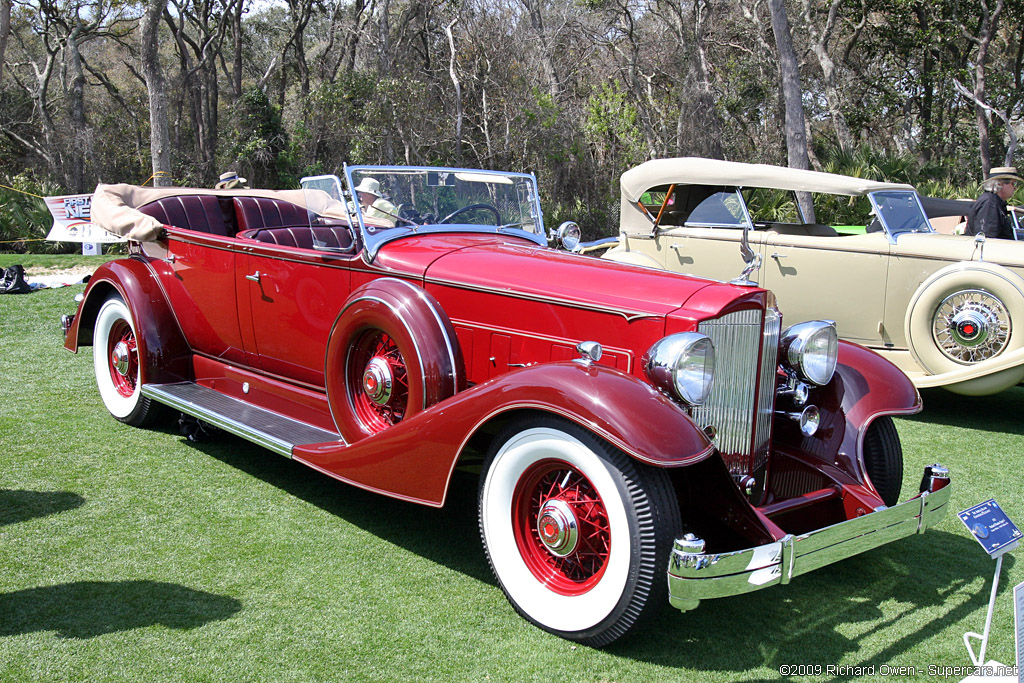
[(694, 575)]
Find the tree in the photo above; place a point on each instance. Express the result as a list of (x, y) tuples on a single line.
[(160, 136), (792, 93), (5, 30)]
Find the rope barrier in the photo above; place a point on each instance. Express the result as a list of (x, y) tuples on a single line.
[(14, 189)]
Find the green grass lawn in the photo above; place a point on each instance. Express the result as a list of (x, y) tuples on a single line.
[(133, 555)]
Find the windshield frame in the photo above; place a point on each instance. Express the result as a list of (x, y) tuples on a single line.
[(374, 237), (891, 232)]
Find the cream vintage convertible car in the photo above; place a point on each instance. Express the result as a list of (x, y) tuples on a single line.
[(947, 309)]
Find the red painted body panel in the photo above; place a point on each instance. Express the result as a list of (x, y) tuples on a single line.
[(415, 458)]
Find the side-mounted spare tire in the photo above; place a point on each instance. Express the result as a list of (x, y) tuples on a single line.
[(965, 314), (392, 353)]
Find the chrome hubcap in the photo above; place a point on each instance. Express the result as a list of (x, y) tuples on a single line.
[(120, 358), (971, 326), (378, 380), (558, 528)]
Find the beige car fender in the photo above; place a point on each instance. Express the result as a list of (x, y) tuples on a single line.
[(966, 316), (624, 255)]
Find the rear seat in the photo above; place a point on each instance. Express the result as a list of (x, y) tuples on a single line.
[(199, 212), (333, 237), (273, 221), (259, 212)]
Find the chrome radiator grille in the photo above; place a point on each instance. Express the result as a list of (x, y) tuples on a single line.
[(741, 403)]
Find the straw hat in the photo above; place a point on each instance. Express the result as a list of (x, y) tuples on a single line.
[(369, 186), (229, 181), (1005, 173)]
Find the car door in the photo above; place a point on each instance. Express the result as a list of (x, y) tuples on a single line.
[(841, 278), (708, 252), (196, 265), (293, 296)]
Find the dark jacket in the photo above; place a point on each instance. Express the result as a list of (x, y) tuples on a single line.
[(989, 215)]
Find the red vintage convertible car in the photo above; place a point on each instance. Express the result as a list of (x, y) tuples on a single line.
[(641, 435)]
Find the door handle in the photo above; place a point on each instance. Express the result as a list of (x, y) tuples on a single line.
[(255, 277), (778, 256), (676, 247)]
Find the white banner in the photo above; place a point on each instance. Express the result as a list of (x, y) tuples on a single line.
[(72, 216)]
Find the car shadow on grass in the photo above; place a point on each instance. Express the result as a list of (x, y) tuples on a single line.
[(807, 619), (995, 413), (835, 614), (20, 506), (86, 609), (449, 536)]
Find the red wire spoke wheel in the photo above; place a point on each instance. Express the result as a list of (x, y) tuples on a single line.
[(123, 355), (392, 353), (378, 380), (577, 533), (561, 527)]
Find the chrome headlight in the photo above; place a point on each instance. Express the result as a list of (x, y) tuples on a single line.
[(683, 365), (811, 349)]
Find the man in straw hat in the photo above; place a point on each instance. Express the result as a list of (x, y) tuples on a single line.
[(988, 215), (373, 203), (230, 181)]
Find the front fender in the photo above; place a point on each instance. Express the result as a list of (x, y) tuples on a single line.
[(162, 345), (415, 458), (865, 387)]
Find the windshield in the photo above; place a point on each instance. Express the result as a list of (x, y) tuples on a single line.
[(390, 201), (900, 212)]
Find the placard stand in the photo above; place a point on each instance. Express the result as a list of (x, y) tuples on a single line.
[(997, 535), (980, 658)]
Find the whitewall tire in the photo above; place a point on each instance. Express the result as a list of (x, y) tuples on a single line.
[(577, 533), (117, 364)]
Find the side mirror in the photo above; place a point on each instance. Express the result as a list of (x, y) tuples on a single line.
[(567, 236)]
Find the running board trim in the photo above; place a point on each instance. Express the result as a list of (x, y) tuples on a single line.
[(258, 425)]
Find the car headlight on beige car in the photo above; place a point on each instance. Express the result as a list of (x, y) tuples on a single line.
[(811, 349), (683, 366)]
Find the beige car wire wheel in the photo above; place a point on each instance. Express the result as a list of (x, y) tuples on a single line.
[(964, 315), (971, 326)]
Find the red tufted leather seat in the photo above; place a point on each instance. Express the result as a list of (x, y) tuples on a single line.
[(202, 213), (258, 212), (336, 237)]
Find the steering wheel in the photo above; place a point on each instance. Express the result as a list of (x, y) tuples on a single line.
[(408, 214), (473, 207)]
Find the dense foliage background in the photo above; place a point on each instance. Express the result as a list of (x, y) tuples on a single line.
[(576, 91)]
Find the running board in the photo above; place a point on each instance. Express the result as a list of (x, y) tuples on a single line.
[(263, 427)]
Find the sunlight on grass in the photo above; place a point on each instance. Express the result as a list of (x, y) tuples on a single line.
[(134, 555)]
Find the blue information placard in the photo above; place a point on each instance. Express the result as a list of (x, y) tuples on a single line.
[(991, 527)]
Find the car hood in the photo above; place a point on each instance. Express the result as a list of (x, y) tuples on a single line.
[(959, 248), (514, 267)]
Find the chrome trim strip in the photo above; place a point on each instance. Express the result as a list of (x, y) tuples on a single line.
[(237, 428), (693, 577), (619, 351), (628, 314), (766, 386)]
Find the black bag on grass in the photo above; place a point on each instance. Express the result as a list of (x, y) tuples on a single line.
[(14, 281)]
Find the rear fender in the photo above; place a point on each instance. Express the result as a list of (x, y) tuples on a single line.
[(162, 345), (414, 459)]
